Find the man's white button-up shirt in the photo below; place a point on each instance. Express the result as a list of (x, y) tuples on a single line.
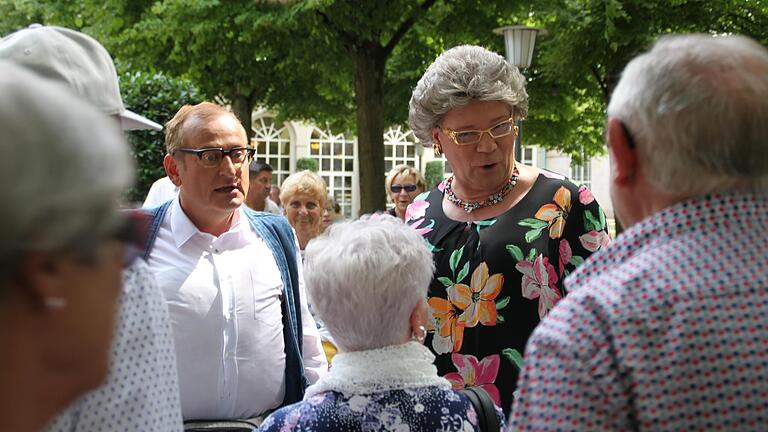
[(224, 298)]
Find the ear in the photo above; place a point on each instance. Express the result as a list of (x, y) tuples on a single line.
[(40, 278), (419, 315), (171, 166), (623, 156), (436, 135)]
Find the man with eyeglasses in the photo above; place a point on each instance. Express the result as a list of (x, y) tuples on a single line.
[(245, 340), (141, 391)]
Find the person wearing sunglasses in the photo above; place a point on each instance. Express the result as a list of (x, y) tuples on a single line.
[(61, 248), (504, 235), (245, 340), (403, 184)]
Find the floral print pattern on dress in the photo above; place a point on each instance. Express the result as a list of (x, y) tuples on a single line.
[(539, 279), (477, 300), (449, 334), (474, 373), (522, 257), (556, 213)]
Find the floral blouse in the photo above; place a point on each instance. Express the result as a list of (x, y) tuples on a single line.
[(395, 388), (425, 409), (495, 279)]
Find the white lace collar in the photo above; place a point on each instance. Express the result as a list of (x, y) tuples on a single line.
[(396, 367)]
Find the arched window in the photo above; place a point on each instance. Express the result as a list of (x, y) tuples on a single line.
[(400, 148), (273, 146), (335, 155)]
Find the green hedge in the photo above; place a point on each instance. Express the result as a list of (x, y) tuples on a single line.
[(157, 97), (307, 164), (433, 173)]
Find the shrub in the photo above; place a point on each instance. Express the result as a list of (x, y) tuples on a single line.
[(156, 97), (307, 164), (433, 173)]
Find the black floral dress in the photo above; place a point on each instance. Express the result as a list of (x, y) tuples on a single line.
[(495, 279)]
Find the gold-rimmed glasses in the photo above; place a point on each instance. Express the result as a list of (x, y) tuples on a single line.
[(471, 137)]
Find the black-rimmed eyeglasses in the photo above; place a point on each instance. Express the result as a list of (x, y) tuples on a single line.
[(212, 156)]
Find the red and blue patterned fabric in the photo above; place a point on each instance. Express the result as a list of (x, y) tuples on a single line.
[(664, 329)]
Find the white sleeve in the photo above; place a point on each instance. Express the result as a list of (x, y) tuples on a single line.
[(315, 363), (161, 191)]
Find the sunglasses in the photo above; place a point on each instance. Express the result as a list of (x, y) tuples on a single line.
[(396, 188)]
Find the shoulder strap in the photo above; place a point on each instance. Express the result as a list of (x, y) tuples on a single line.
[(156, 216), (486, 410)]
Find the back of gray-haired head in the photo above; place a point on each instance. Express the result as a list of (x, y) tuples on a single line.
[(64, 165), (365, 277), (697, 107), (457, 77)]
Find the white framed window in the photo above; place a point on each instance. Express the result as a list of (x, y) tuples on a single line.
[(529, 154), (335, 155), (581, 174), (273, 146), (399, 148)]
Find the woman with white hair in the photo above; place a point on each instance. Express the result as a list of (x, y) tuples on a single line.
[(63, 168), (504, 234), (403, 184), (367, 280)]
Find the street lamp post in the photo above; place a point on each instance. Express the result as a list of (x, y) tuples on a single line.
[(519, 42)]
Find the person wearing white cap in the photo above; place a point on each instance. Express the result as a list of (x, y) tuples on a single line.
[(141, 393), (77, 59), (61, 253)]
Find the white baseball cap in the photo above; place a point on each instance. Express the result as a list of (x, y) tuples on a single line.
[(78, 60)]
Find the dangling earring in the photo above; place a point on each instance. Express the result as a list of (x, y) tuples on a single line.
[(420, 334), (437, 149)]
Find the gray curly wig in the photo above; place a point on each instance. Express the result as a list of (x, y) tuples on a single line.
[(458, 76)]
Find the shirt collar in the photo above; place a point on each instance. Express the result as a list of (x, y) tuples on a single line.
[(183, 229)]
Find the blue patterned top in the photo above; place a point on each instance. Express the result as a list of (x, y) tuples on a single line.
[(422, 409)]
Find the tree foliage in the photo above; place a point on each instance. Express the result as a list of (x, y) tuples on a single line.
[(352, 65), (587, 45)]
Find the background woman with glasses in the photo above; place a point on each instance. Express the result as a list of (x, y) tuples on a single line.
[(403, 184), (503, 235)]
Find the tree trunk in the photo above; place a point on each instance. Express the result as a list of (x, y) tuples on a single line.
[(369, 61), (242, 106)]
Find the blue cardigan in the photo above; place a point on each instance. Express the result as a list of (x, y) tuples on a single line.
[(277, 234)]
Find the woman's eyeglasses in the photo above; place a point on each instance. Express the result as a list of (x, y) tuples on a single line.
[(212, 157), (470, 137), (396, 188)]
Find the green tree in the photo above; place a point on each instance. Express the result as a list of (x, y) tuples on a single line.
[(344, 63), (589, 42), (352, 64)]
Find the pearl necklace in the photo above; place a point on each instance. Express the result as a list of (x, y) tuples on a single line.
[(470, 206)]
